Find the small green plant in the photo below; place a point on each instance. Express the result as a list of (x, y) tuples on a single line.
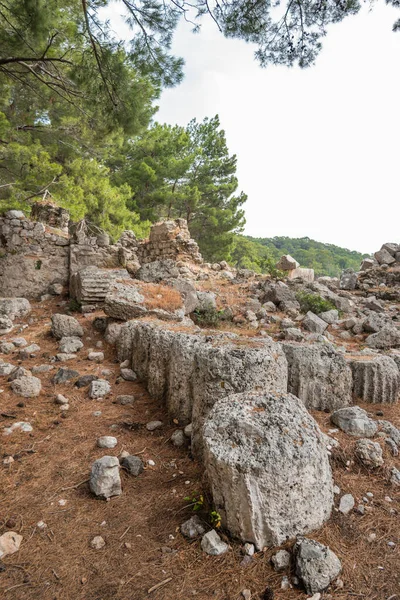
[(74, 305), (209, 316), (313, 302), (198, 502), (38, 265)]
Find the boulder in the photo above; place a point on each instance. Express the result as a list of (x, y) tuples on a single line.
[(206, 301), (133, 464), (267, 465), (193, 527), (6, 369), (388, 337), (316, 565), (212, 544), (354, 421), (313, 323), (318, 375), (14, 308), (367, 263), (375, 379), (369, 453), (28, 387), (105, 481), (124, 302), (63, 375), (65, 326), (383, 257), (329, 316), (348, 280), (188, 293), (99, 388), (158, 270)]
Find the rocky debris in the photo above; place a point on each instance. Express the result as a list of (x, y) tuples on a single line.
[(390, 430), (61, 400), (6, 369), (7, 348), (329, 316), (188, 293), (96, 357), (318, 375), (27, 387), (6, 325), (65, 326), (281, 560), (70, 345), (20, 425), (158, 270), (279, 293), (14, 308), (178, 438), (292, 334), (97, 543), (367, 263), (153, 425), (348, 280), (193, 527), (375, 380), (354, 421), (28, 351), (267, 487), (375, 305), (316, 565), (85, 380), (383, 257), (128, 374), (124, 302), (388, 337), (19, 372), (206, 300), (287, 263), (212, 544), (10, 543), (125, 400), (395, 476), (99, 388), (105, 481), (112, 333), (107, 441), (346, 504), (313, 323), (374, 322), (369, 453), (133, 464), (64, 375)]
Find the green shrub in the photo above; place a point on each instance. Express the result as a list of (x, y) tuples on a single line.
[(313, 302), (209, 316)]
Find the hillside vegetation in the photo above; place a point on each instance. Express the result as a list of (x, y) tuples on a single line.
[(260, 254)]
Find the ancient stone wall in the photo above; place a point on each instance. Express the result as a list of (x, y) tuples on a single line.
[(33, 256), (169, 240)]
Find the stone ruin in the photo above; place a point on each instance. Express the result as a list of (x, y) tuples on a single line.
[(292, 269)]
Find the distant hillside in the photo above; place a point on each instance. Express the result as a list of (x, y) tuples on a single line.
[(325, 259)]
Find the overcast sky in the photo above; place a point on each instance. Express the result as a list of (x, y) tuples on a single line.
[(318, 149)]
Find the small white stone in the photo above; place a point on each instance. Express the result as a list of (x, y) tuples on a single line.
[(107, 441), (8, 460), (62, 502), (41, 525), (249, 549), (151, 463), (97, 542), (60, 399), (346, 504), (371, 537)]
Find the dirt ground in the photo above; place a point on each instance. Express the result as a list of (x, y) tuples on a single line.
[(48, 482)]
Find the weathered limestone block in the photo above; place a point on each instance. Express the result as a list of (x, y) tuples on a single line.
[(287, 263), (158, 270), (306, 275), (65, 326), (232, 366), (87, 255), (268, 467), (384, 257), (90, 285), (124, 302), (388, 337), (375, 379), (318, 375), (348, 280)]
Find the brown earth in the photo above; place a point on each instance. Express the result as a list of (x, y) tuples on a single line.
[(141, 527)]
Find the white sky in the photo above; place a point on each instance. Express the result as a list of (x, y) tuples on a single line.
[(317, 149)]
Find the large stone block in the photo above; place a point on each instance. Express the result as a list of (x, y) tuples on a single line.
[(268, 468), (375, 379), (318, 375)]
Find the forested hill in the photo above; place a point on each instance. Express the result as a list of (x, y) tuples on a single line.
[(325, 259)]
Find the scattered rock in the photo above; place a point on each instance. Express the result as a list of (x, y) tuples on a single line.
[(99, 388), (316, 565), (65, 326), (153, 425), (133, 464), (281, 560), (97, 543), (178, 438), (85, 380), (14, 308), (346, 504), (354, 421), (61, 400), (10, 543), (69, 345), (395, 476), (125, 400), (107, 441), (6, 325), (28, 387), (212, 544), (20, 425), (19, 372), (369, 453), (6, 369), (28, 351), (97, 357), (128, 374), (105, 481), (64, 375), (193, 527), (313, 323)]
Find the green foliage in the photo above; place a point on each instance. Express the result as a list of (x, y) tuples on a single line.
[(313, 302), (325, 259), (209, 316), (198, 503)]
